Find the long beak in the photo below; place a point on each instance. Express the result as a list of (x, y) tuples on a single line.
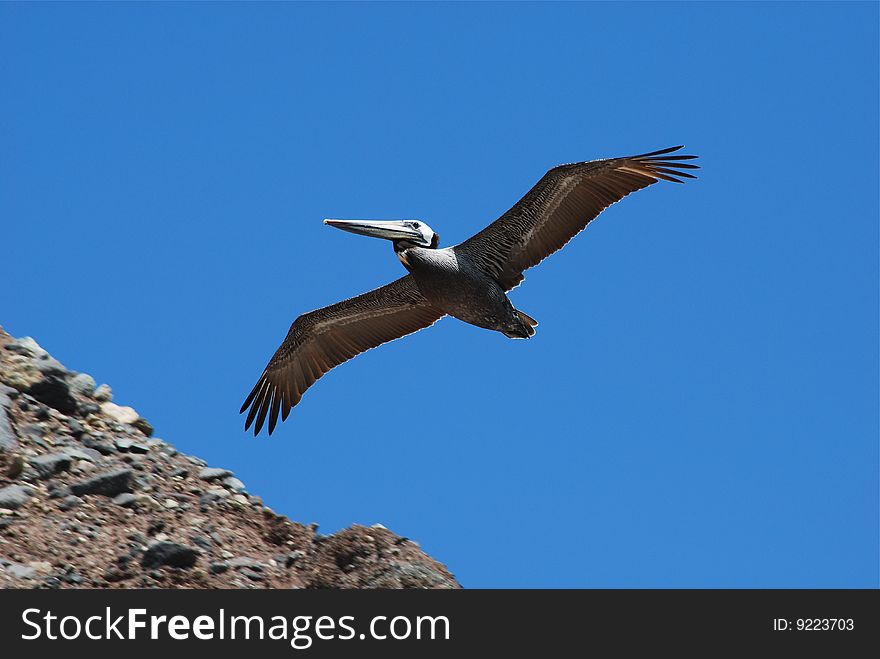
[(388, 229)]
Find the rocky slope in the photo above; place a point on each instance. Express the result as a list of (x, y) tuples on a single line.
[(88, 498)]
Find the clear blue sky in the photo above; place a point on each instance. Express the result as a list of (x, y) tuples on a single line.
[(699, 407)]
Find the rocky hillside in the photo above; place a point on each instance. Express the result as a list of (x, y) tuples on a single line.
[(89, 498)]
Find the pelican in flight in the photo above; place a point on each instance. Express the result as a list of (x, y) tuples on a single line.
[(469, 281)]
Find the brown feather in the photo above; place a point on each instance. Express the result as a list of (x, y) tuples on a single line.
[(560, 206), (322, 339)]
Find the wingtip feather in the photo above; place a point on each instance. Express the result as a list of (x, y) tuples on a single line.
[(660, 152)]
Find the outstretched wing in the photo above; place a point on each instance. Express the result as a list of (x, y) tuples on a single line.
[(560, 206), (324, 338)]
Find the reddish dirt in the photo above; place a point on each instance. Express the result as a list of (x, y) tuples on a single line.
[(165, 522)]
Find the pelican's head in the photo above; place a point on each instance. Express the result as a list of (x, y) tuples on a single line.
[(404, 233)]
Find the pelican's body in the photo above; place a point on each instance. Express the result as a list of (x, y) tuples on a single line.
[(454, 283), (469, 281)]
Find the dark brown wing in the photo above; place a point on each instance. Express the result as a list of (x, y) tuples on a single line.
[(324, 338), (560, 206)]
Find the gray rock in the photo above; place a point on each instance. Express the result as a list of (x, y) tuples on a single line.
[(103, 393), (218, 492), (294, 558), (104, 448), (123, 443), (51, 464), (136, 461), (144, 426), (253, 576), (69, 502), (109, 484), (214, 473), (155, 527), (21, 571), (52, 582), (76, 428), (113, 574), (234, 484), (83, 383), (218, 567), (7, 435), (144, 483), (32, 431), (169, 553), (89, 454), (129, 445), (11, 392), (52, 390), (88, 408), (14, 496), (27, 346), (126, 500), (73, 578), (48, 365), (246, 561), (57, 490), (201, 541)]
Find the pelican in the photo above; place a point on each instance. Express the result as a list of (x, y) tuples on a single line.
[(469, 281)]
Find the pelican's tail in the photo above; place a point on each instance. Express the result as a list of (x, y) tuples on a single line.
[(524, 329)]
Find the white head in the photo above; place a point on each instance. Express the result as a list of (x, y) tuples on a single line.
[(410, 231)]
